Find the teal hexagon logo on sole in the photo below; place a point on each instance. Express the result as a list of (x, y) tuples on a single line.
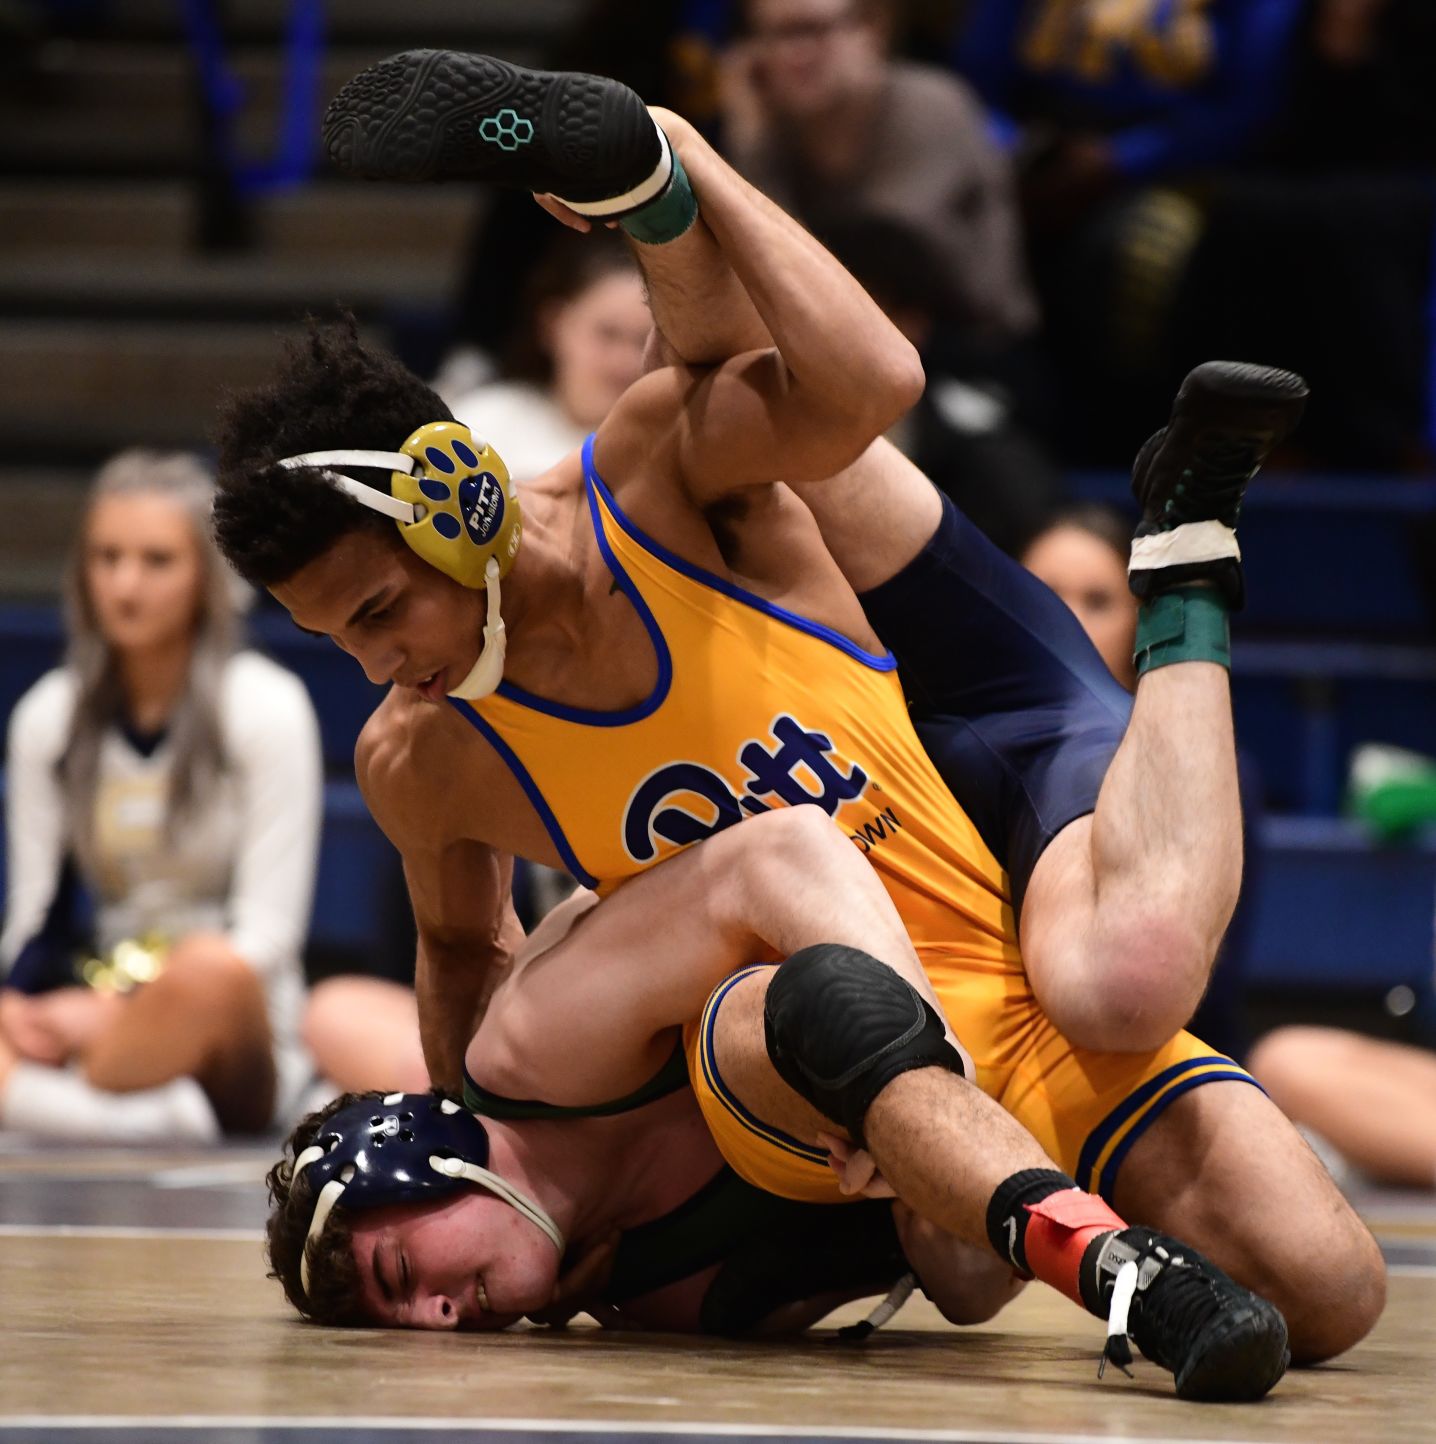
[(508, 129)]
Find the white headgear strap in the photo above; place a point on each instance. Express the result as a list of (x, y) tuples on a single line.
[(488, 671), (369, 496)]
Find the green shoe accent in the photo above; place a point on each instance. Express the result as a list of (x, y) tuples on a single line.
[(669, 216), (1189, 624)]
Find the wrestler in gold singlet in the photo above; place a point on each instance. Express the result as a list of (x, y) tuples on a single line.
[(755, 707)]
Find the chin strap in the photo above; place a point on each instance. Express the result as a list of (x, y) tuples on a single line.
[(472, 1173), (486, 674)]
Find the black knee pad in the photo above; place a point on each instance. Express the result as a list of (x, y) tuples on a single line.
[(840, 1026)]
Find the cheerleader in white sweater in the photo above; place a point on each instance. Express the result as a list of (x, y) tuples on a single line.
[(179, 784)]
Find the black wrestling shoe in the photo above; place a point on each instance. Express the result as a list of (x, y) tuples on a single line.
[(1221, 1341), (1190, 477), (433, 115)]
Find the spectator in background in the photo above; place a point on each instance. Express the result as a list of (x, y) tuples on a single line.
[(826, 122), (967, 432), (177, 783), (577, 347), (1111, 111), (1322, 255), (890, 163), (1082, 555), (1100, 96)]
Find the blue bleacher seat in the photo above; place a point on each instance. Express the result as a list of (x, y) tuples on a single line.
[(1336, 910), (1303, 707), (1331, 556)]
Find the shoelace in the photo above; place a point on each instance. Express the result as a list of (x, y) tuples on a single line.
[(897, 1296), (1117, 1349), (1174, 1305)]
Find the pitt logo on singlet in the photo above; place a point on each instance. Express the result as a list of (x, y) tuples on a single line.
[(684, 802)]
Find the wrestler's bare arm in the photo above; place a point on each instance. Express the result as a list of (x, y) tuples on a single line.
[(591, 1018), (459, 886), (837, 372), (699, 305), (876, 515)]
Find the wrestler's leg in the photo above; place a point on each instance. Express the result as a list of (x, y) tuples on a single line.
[(1126, 908), (1223, 1168), (595, 1004), (1122, 908), (942, 1144), (969, 1285), (818, 1023), (1154, 883)]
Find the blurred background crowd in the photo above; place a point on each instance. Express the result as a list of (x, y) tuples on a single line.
[(1065, 204)]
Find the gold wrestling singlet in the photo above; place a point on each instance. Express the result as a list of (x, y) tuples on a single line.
[(754, 708)]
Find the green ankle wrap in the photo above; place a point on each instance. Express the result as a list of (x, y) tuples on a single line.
[(1186, 625), (667, 217)]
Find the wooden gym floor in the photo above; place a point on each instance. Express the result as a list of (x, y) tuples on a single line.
[(134, 1309)]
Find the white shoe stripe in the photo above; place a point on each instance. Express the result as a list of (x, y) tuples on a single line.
[(636, 198), (1193, 541)]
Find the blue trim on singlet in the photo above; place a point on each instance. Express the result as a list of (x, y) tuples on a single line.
[(531, 789), (1108, 1181), (657, 697), (1099, 1137), (884, 663), (750, 1121)]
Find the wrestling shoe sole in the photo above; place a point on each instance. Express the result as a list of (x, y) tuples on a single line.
[(1240, 1355), (431, 115), (1240, 382)]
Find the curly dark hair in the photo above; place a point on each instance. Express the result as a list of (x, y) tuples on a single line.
[(331, 391), (334, 1295)]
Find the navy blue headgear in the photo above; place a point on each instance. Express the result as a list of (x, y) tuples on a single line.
[(403, 1148)]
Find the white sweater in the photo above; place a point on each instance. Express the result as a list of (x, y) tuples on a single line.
[(244, 866)]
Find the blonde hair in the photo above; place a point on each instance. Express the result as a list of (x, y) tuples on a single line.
[(194, 725)]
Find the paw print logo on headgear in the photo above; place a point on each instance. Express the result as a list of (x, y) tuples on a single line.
[(465, 510), (508, 129)]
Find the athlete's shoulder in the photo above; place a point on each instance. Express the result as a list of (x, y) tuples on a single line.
[(403, 762), (639, 433)]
